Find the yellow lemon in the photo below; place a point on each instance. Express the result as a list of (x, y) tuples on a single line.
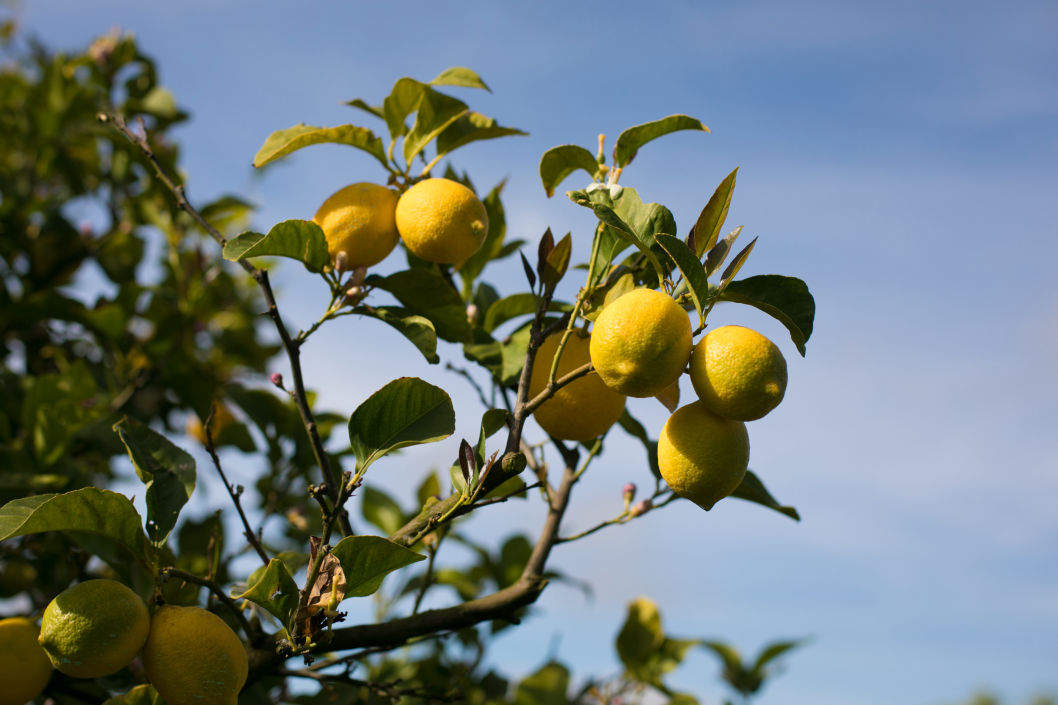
[(441, 220), (582, 409), (641, 342), (94, 628), (702, 456), (738, 373), (192, 657), (358, 221), (24, 667)]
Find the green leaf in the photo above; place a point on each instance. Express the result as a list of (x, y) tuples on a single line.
[(771, 652), (636, 430), (459, 76), (427, 293), (548, 686), (492, 247), (471, 127), (559, 162), (430, 487), (366, 560), (736, 264), (167, 471), (692, 270), (557, 262), (418, 329), (283, 142), (786, 299), (623, 230), (89, 510), (137, 695), (401, 102), (381, 510), (752, 489), (629, 141), (375, 110), (302, 240), (718, 252), (405, 412), (728, 654), (273, 588), (711, 219), (436, 111), (640, 637)]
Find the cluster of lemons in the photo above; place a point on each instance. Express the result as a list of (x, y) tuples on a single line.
[(98, 627), (640, 345), (439, 220)]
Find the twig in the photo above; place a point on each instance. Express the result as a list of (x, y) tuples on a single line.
[(220, 595), (261, 277), (247, 531), (473, 382), (389, 690)]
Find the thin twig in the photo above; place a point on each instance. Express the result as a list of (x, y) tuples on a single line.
[(219, 593), (473, 382), (232, 492)]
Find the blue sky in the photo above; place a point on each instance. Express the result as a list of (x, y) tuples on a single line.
[(902, 158)]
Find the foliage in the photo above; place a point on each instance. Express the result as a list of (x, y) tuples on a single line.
[(128, 309)]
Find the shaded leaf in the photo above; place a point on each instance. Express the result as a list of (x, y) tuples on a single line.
[(436, 111), (629, 141), (736, 264), (283, 142), (692, 270), (405, 412), (752, 489), (137, 695), (366, 560), (718, 252), (428, 293), (418, 329), (273, 588), (771, 652), (557, 262), (167, 471), (636, 430), (381, 510), (559, 162), (302, 240), (786, 299), (88, 510), (547, 686)]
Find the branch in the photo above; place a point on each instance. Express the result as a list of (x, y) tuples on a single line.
[(261, 277)]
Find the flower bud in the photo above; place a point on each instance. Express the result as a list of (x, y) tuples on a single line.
[(277, 379), (472, 313), (641, 508), (629, 491), (341, 262)]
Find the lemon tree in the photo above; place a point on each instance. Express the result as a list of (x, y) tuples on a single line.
[(313, 571), (24, 667)]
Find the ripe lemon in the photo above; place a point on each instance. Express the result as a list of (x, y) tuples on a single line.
[(94, 628), (582, 409), (193, 658), (441, 220), (702, 456), (24, 667), (359, 221), (738, 373), (641, 342)]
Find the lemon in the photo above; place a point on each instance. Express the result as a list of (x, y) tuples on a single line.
[(738, 373), (702, 456), (358, 220), (24, 667), (582, 409), (193, 658), (94, 628), (641, 343), (441, 220)]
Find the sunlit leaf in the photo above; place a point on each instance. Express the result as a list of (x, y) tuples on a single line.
[(405, 412), (559, 162), (366, 560), (436, 111), (711, 219), (283, 142), (629, 141), (459, 76), (302, 240)]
